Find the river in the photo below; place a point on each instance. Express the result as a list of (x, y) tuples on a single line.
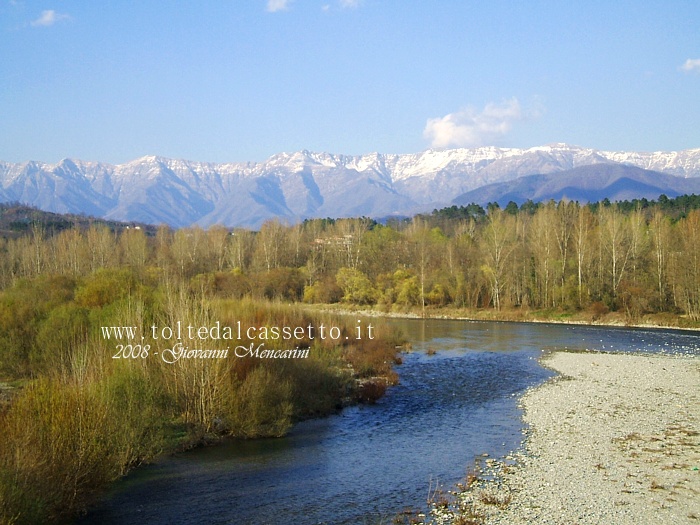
[(367, 463)]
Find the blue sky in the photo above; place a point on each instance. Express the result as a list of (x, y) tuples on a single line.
[(244, 79)]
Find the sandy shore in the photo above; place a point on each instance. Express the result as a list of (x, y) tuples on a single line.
[(615, 439)]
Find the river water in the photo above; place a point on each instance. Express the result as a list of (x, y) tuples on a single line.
[(367, 463)]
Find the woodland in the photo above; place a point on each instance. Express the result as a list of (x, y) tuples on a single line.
[(76, 414)]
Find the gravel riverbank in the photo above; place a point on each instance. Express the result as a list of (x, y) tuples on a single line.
[(614, 439)]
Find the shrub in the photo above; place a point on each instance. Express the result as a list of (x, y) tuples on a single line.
[(599, 309), (105, 286), (370, 390), (356, 286), (54, 446), (324, 291), (65, 328), (260, 406), (64, 441)]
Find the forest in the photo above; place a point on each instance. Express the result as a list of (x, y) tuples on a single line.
[(633, 258), (76, 415)]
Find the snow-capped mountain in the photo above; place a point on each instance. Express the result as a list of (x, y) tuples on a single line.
[(294, 186)]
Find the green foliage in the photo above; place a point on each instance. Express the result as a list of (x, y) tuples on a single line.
[(407, 288), (140, 412), (87, 418), (63, 330), (323, 291), (529, 207), (318, 383), (438, 295), (511, 208), (356, 286), (64, 441), (22, 309), (471, 211), (105, 286)]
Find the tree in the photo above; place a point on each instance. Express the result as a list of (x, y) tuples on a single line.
[(660, 229), (616, 241), (543, 245), (583, 226), (566, 213), (498, 242), (269, 244), (217, 243), (511, 208), (134, 247), (101, 245), (356, 286), (241, 249), (688, 266), (70, 253), (420, 239)]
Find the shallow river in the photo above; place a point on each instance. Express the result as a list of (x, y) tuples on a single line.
[(369, 462)]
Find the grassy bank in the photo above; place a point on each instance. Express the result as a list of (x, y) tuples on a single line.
[(80, 409)]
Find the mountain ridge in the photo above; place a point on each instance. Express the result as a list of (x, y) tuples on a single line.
[(592, 183), (298, 185)]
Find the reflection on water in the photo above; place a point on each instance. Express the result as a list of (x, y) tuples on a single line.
[(369, 462)]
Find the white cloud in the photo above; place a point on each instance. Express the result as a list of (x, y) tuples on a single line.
[(277, 5), (48, 18), (349, 4), (691, 65), (471, 128)]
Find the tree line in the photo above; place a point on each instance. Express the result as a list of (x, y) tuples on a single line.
[(636, 257)]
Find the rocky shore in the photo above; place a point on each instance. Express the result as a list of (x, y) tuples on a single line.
[(612, 439)]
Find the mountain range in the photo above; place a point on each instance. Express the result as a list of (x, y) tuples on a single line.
[(595, 182), (300, 185)]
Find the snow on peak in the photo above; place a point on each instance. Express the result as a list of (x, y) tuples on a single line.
[(301, 183)]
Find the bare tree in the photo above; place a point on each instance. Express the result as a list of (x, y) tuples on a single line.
[(543, 245), (217, 244), (101, 245), (660, 229), (617, 243), (498, 245), (582, 231), (134, 247), (241, 246)]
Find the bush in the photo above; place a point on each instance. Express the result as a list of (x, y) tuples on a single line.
[(356, 286), (64, 441), (370, 390), (65, 328), (232, 284), (260, 406), (599, 309), (54, 443), (105, 286), (22, 309), (281, 283), (325, 291)]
